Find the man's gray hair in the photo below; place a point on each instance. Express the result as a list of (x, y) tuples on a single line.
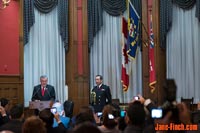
[(43, 76)]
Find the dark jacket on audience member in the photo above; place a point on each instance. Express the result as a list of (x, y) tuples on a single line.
[(133, 129), (3, 119), (13, 125), (60, 129)]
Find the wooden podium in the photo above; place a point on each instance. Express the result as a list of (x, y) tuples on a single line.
[(40, 105)]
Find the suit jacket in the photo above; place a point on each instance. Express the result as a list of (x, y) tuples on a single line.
[(133, 129), (4, 119), (59, 129), (13, 125), (102, 94), (49, 93)]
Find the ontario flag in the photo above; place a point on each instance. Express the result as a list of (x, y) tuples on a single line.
[(125, 59), (133, 31), (152, 73)]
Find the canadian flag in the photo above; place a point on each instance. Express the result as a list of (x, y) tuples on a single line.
[(125, 59)]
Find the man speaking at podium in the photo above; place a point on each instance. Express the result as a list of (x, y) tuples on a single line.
[(43, 91)]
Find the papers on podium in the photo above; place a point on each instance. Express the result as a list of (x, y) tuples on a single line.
[(40, 105)]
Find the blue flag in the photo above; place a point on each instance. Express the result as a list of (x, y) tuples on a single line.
[(133, 31)]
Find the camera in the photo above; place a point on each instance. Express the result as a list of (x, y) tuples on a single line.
[(53, 110), (122, 113), (136, 98), (99, 114), (157, 113)]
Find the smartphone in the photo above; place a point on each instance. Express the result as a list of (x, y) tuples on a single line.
[(122, 113), (156, 113), (99, 114), (136, 98), (53, 110), (110, 116)]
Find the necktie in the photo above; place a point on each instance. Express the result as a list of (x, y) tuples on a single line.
[(43, 90)]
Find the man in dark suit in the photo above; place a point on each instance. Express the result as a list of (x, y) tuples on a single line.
[(43, 92), (103, 95)]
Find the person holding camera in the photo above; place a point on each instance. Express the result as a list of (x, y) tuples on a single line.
[(4, 110), (109, 120), (135, 117), (48, 118)]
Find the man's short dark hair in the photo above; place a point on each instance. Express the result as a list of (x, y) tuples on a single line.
[(17, 111), (84, 117), (47, 117), (86, 128), (101, 77), (4, 102), (136, 113)]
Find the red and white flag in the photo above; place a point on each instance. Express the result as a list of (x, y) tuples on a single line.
[(152, 72), (125, 59)]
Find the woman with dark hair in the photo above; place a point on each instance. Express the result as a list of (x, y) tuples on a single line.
[(86, 128), (86, 113), (109, 124), (33, 124)]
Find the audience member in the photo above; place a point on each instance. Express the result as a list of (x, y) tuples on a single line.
[(15, 124), (33, 124), (109, 121), (6, 132), (122, 124), (184, 113), (86, 128), (86, 113), (135, 118), (65, 120), (84, 117), (198, 106), (4, 110), (47, 117), (196, 115)]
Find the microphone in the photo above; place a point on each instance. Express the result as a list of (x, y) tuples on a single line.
[(35, 94)]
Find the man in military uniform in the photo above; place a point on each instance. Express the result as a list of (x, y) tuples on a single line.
[(103, 95)]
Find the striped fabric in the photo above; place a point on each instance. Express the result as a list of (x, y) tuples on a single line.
[(165, 20), (112, 7), (95, 19), (63, 21), (166, 15), (185, 4), (45, 6), (197, 13), (29, 18)]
